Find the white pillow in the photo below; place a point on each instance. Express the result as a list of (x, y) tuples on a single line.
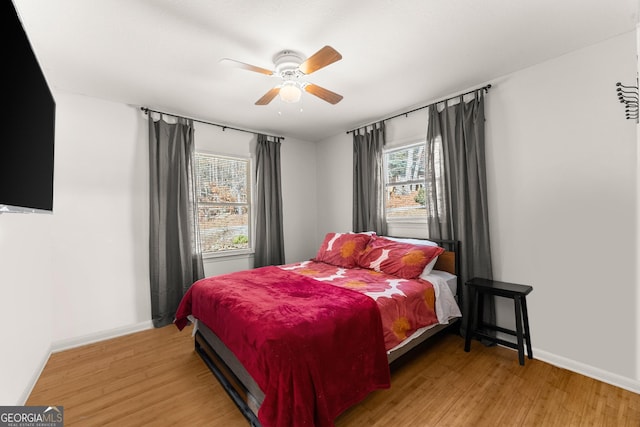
[(428, 268), (419, 242)]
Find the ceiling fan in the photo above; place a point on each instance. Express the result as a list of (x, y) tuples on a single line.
[(291, 67)]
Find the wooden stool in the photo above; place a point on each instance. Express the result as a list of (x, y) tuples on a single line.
[(478, 288)]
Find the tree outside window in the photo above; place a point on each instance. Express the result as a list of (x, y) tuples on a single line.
[(405, 182), (224, 203)]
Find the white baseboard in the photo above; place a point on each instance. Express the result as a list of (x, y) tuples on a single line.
[(34, 379), (587, 370), (67, 344)]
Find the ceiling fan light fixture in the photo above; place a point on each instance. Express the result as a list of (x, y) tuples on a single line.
[(293, 68), (290, 92)]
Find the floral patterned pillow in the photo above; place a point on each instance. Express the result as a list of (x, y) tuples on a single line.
[(396, 258), (342, 249)]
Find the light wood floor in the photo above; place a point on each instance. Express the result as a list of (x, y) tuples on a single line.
[(155, 378)]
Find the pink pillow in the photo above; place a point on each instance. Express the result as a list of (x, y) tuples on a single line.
[(342, 249), (399, 259)]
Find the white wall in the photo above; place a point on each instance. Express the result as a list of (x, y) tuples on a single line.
[(26, 302), (335, 185), (100, 221), (299, 199), (562, 162), (563, 168)]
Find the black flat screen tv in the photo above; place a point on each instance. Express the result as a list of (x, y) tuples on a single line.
[(28, 131)]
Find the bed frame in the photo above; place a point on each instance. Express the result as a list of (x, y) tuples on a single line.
[(244, 391)]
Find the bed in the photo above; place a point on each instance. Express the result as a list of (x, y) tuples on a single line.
[(298, 344)]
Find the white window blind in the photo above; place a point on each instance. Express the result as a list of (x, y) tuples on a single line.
[(224, 203)]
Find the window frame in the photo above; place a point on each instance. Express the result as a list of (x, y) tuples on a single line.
[(394, 148), (249, 205)]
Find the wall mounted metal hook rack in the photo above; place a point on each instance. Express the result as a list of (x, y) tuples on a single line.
[(628, 95)]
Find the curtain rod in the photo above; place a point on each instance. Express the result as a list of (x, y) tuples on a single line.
[(147, 110), (485, 88)]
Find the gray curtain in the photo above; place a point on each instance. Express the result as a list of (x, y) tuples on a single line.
[(368, 180), (175, 260), (456, 188), (269, 238)]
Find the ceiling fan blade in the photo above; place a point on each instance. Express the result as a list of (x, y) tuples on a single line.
[(325, 56), (322, 93), (238, 64), (268, 97)]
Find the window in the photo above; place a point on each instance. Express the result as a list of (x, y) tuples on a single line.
[(405, 182), (224, 203)]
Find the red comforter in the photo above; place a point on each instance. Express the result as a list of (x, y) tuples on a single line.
[(314, 349)]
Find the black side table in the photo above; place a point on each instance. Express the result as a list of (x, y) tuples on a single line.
[(478, 288)]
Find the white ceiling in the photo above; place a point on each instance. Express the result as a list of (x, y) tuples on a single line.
[(397, 54)]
